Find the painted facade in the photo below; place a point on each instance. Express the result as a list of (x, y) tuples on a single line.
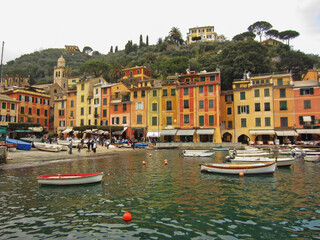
[(137, 73), (9, 110), (227, 116), (154, 113)]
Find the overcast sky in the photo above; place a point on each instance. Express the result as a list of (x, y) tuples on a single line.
[(29, 26)]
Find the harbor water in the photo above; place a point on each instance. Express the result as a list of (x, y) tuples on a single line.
[(173, 201)]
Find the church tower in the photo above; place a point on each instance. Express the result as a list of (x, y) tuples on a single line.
[(59, 75)]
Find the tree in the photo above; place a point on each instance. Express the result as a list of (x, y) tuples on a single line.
[(288, 34), (198, 38), (116, 49), (175, 36), (111, 49), (94, 67), (87, 50), (147, 40), (272, 33), (141, 43), (175, 65), (244, 36), (259, 28)]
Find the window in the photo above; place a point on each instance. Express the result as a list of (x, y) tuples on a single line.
[(201, 104), (82, 98), (139, 119), (135, 94), (38, 112), (257, 107), (186, 92), (143, 93), (38, 120), (46, 122), (71, 113), (82, 111), (104, 101), (115, 108), (22, 110), (154, 93), (283, 105), (82, 87), (243, 109), (96, 101), (169, 120), (211, 120), (242, 96), (211, 103), (202, 79), (306, 91), (4, 105), (185, 104), (164, 92), (200, 89), (139, 105), (104, 91), (280, 82), (267, 121), (282, 92), (212, 78), (168, 105), (266, 92), (229, 124), (186, 118), (256, 93), (97, 91), (228, 98), (307, 104), (96, 111), (89, 109), (154, 121), (284, 121), (30, 111), (243, 122), (71, 103), (124, 120), (81, 122), (71, 123), (154, 107), (229, 111), (210, 88), (201, 120), (104, 113), (124, 108), (173, 92), (267, 106), (258, 122), (62, 123), (12, 106)]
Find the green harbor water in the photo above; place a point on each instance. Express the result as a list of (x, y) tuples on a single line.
[(173, 201)]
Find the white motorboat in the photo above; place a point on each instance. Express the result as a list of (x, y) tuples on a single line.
[(48, 147), (281, 162), (197, 154), (70, 179)]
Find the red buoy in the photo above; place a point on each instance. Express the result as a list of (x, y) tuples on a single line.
[(143, 162), (241, 174), (127, 216)]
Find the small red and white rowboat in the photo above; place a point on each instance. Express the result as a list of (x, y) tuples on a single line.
[(70, 179)]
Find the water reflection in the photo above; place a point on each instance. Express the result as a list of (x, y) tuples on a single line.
[(167, 201)]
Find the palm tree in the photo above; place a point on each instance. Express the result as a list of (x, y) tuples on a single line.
[(175, 36)]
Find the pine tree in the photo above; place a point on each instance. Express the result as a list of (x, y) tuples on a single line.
[(116, 49), (111, 49), (147, 40)]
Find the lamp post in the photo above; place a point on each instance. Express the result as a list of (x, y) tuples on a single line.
[(2, 61)]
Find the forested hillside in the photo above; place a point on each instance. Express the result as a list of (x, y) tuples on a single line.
[(170, 56)]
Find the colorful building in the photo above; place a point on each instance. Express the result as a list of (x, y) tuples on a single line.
[(203, 34), (154, 113), (34, 106), (9, 110), (136, 73), (227, 116), (14, 81)]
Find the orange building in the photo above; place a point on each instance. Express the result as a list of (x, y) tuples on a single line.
[(34, 106), (227, 115), (199, 107), (137, 73)]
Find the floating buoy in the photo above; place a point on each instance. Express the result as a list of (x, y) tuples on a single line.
[(150, 155), (143, 162), (241, 174), (165, 161), (127, 216)]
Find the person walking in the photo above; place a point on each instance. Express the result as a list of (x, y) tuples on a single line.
[(70, 147), (79, 147), (94, 147), (89, 145)]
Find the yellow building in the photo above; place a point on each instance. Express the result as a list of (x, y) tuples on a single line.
[(263, 108), (72, 82), (17, 81), (85, 114), (9, 110), (227, 116), (154, 113), (136, 73), (203, 34)]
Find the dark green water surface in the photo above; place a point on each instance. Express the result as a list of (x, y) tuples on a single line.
[(174, 201)]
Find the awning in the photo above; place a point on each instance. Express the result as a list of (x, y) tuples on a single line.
[(119, 132), (100, 132), (23, 131), (36, 129), (153, 134), (168, 132), (2, 130), (67, 130), (287, 133), (308, 131), (307, 119), (205, 131), (185, 132), (262, 132)]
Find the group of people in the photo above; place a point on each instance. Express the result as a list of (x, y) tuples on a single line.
[(91, 144)]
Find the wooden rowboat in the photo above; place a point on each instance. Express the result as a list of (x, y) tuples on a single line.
[(234, 168), (48, 147), (198, 154), (281, 162), (70, 179)]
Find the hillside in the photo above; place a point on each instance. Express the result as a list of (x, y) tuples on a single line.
[(232, 58)]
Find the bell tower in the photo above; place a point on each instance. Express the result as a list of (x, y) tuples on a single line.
[(59, 75)]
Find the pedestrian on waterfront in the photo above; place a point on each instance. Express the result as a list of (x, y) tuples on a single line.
[(50, 140), (89, 144), (94, 147), (81, 143), (133, 145), (70, 147), (79, 147)]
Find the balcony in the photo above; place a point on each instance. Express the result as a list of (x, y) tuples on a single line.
[(96, 115)]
